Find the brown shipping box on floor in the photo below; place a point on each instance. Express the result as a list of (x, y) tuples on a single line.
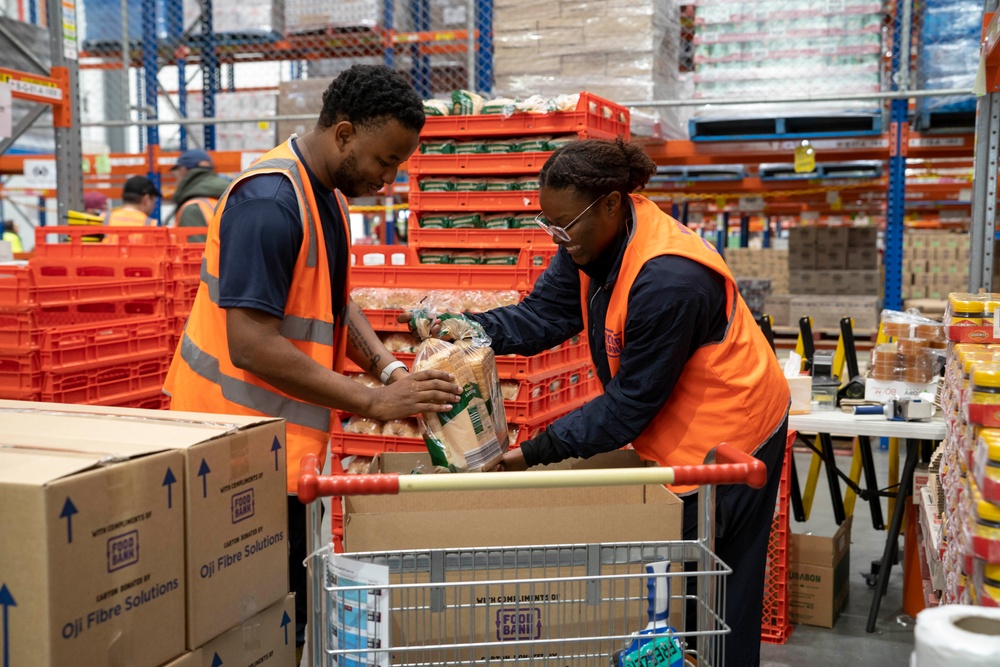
[(232, 487), (190, 659), (267, 638), (517, 518), (91, 558), (819, 576)]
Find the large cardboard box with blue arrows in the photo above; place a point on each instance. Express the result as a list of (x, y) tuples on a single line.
[(267, 638), (231, 483), (91, 556)]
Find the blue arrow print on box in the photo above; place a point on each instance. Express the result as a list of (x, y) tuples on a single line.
[(68, 510), (168, 481), (7, 601), (216, 660), (275, 447), (285, 620), (203, 471)]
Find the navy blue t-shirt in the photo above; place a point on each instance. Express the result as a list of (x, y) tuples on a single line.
[(260, 236)]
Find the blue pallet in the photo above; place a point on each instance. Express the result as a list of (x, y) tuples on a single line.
[(699, 173), (791, 127), (824, 170)]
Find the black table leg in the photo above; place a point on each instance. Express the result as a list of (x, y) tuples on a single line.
[(826, 442), (891, 539), (798, 511), (871, 481)]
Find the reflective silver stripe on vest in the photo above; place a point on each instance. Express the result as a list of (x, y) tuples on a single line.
[(290, 167), (211, 281), (250, 395), (293, 327), (308, 330)]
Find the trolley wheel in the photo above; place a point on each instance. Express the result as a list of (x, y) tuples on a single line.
[(871, 577)]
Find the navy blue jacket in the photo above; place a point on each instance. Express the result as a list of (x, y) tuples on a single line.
[(675, 306)]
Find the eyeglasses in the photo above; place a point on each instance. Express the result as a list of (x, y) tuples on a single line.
[(560, 233)]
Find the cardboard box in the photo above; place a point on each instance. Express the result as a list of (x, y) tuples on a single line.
[(862, 258), (92, 554), (819, 576), (231, 486), (801, 237), (189, 659), (266, 638), (778, 306), (862, 237), (516, 518), (459, 519), (831, 258), (886, 390)]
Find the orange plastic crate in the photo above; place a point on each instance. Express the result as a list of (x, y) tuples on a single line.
[(183, 294), (498, 164), (19, 331), (500, 201), (148, 399), (593, 116), (542, 395), (401, 267), (20, 375), (67, 293), (478, 238), (98, 344), (511, 366), (188, 254), (106, 385), (122, 242), (49, 271), (775, 624), (71, 314), (16, 284)]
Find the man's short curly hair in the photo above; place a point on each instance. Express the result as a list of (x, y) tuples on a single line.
[(368, 95)]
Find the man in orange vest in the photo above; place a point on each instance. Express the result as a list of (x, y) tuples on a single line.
[(198, 189), (138, 203), (683, 363), (273, 318)]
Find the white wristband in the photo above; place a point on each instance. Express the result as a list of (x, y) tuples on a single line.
[(390, 369)]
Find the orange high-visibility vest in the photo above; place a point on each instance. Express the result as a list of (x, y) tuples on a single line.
[(732, 391), (205, 204), (128, 217), (202, 377)]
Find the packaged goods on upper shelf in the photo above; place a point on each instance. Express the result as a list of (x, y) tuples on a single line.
[(466, 103)]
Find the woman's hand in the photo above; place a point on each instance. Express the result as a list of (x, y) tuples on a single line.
[(512, 461), (407, 318)]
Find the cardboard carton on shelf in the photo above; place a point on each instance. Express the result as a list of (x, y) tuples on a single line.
[(862, 258), (819, 576), (92, 553), (230, 484), (862, 237)]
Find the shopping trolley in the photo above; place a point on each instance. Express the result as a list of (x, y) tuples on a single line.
[(559, 605)]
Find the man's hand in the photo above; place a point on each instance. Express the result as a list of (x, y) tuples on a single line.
[(426, 391), (513, 461)]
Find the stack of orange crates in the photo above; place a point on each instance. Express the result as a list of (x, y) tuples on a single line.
[(88, 323), (183, 288), (550, 384)]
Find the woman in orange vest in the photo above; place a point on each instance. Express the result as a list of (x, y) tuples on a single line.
[(682, 360)]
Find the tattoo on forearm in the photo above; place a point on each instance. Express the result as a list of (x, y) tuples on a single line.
[(359, 343)]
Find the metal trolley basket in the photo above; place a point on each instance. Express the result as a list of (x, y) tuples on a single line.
[(561, 605)]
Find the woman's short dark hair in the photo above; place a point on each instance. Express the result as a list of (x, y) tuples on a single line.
[(597, 167)]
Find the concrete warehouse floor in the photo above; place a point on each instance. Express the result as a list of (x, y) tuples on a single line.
[(848, 643)]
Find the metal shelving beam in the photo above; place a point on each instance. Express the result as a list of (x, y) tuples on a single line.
[(984, 190), (68, 151)]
